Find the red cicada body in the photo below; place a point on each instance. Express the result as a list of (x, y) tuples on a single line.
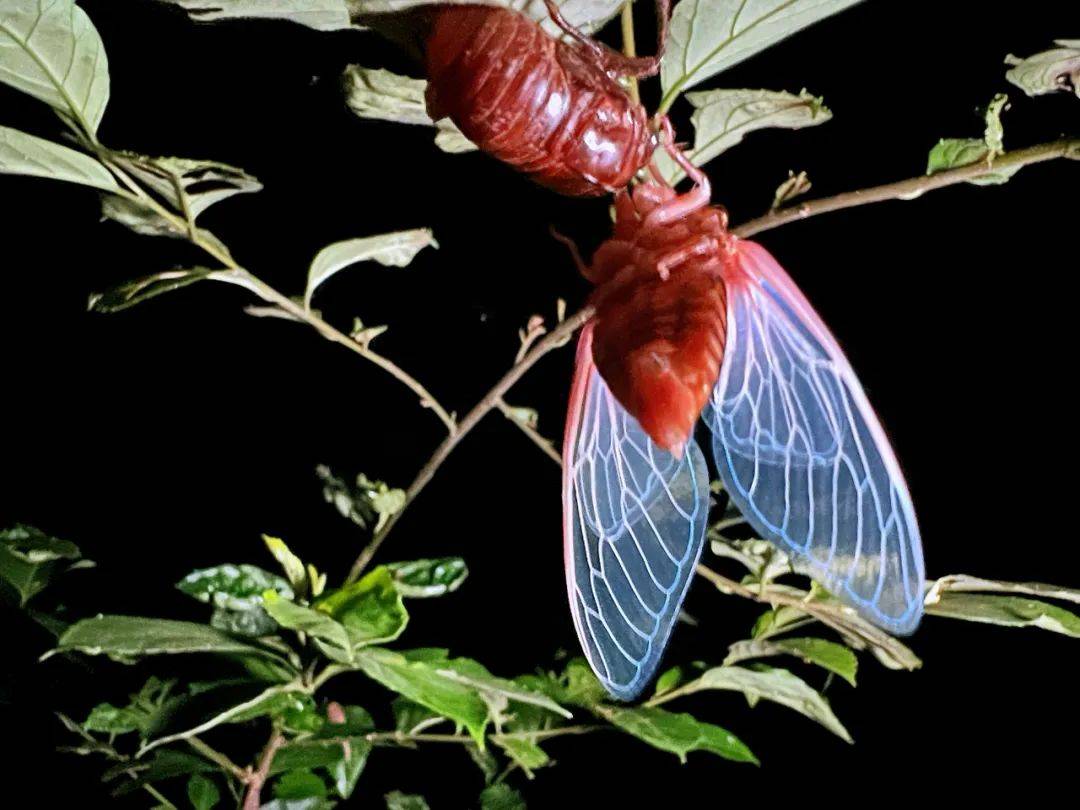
[(550, 108), (691, 320)]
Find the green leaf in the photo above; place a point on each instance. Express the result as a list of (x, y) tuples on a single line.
[(371, 609), (29, 559), (334, 638), (1009, 611), (251, 623), (404, 801), (301, 784), (420, 579), (290, 563), (388, 249), (34, 546), (142, 289), (378, 94), (962, 583), (527, 754), (1049, 71), (836, 658), (678, 733), (578, 686), (776, 685), (29, 155), (424, 683), (501, 797), (322, 15), (951, 153), (235, 587), (709, 36), (497, 692), (50, 50), (132, 636), (409, 715), (366, 503), (668, 680), (722, 118), (143, 713), (178, 181), (202, 792), (345, 773), (267, 702), (162, 765)]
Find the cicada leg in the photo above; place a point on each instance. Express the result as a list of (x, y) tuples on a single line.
[(611, 60)]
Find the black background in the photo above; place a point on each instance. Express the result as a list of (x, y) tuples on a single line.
[(169, 437)]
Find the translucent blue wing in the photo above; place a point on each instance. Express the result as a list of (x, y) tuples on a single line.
[(802, 453), (634, 519)]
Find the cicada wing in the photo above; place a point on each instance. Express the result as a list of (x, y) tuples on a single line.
[(802, 453), (634, 519)]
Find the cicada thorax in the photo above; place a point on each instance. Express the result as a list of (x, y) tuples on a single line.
[(661, 311), (550, 108)]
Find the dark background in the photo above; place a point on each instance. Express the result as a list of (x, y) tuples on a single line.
[(169, 437)]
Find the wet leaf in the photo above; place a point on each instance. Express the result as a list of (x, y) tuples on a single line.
[(234, 587), (709, 36), (420, 579), (388, 249), (31, 156), (50, 50)]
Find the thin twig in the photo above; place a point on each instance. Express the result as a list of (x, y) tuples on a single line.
[(219, 759), (257, 779), (408, 738), (913, 187), (537, 438), (553, 340), (256, 285)]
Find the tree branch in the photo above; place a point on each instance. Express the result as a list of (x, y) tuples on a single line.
[(913, 187), (904, 189), (555, 339), (258, 777)]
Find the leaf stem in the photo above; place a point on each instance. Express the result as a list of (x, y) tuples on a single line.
[(555, 339), (629, 45)]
